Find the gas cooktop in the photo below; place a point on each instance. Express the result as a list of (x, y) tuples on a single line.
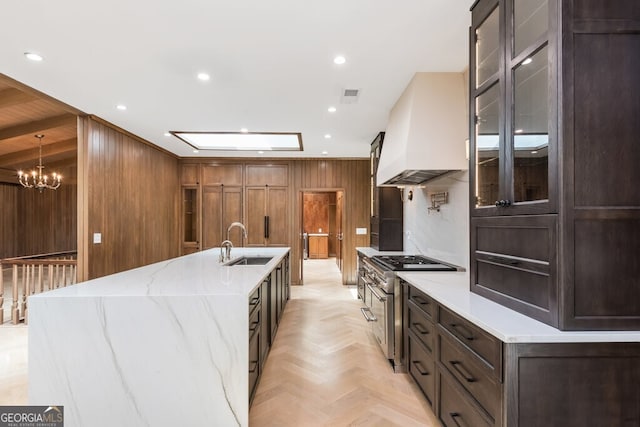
[(410, 263)]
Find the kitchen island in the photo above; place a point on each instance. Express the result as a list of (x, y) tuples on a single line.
[(161, 345)]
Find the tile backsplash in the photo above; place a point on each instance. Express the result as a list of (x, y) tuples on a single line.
[(443, 235)]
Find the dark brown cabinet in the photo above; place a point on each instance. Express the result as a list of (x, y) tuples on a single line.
[(472, 378), (386, 208), (554, 101), (266, 307)]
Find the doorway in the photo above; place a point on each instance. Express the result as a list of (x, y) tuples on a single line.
[(321, 227)]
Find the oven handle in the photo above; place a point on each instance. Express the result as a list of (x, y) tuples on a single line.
[(370, 317), (376, 294)]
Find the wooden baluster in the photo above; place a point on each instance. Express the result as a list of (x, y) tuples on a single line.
[(50, 277), (25, 289), (74, 274), (40, 282), (15, 312), (64, 275)]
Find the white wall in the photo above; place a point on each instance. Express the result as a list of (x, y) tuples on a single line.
[(442, 235)]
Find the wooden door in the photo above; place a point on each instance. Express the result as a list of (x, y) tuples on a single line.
[(232, 212), (220, 207), (255, 212), (212, 234), (339, 206), (277, 220)]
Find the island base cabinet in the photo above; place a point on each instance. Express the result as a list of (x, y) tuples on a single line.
[(422, 368)]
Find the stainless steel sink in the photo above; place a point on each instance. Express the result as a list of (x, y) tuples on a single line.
[(250, 260)]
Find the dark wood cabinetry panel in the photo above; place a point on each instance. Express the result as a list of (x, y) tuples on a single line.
[(386, 225), (573, 385), (580, 271)]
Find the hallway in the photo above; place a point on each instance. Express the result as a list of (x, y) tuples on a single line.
[(326, 370)]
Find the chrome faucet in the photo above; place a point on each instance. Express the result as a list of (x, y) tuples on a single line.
[(226, 246), (237, 224)]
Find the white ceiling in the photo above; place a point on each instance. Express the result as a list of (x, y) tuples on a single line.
[(271, 63)]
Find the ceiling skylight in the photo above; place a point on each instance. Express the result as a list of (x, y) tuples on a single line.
[(237, 141)]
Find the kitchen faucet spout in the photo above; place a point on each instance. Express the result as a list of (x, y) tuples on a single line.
[(237, 224)]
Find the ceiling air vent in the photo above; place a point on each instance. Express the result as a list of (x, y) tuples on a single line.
[(350, 96)]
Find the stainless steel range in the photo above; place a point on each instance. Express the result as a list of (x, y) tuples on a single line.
[(380, 290)]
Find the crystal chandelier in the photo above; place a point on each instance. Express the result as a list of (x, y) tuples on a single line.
[(37, 179)]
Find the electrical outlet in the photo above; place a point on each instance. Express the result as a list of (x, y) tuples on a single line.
[(361, 230), (97, 238)]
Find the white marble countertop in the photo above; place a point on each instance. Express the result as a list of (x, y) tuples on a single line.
[(200, 273), (163, 344), (451, 289), (369, 252)]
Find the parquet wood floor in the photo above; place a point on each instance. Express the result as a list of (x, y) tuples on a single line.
[(325, 369)]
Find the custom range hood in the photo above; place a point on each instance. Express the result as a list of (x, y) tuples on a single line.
[(426, 132)]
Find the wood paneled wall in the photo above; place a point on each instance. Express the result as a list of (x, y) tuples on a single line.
[(352, 176), (128, 192), (36, 223), (8, 220), (318, 175)]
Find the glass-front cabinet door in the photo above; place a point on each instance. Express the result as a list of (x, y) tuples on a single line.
[(512, 89)]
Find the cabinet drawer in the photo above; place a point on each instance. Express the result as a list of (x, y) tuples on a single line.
[(422, 367), (254, 364), (254, 323), (423, 301), (471, 374), (456, 409), (486, 347), (421, 325), (254, 300)]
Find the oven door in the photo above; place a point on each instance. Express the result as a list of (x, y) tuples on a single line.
[(380, 306)]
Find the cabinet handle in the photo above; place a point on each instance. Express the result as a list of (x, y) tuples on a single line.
[(255, 367), (503, 203), (266, 227), (420, 328), (420, 368), (420, 300), (254, 326), (466, 334), (459, 368), (366, 312), (457, 419)]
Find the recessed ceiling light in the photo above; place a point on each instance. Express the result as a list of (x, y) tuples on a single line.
[(260, 152), (204, 77), (519, 131), (534, 152), (167, 134), (33, 56), (327, 136), (121, 107), (196, 151), (527, 61), (244, 130), (324, 153), (339, 60), (331, 109)]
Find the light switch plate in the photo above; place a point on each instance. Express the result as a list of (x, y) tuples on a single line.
[(97, 238), (361, 230)]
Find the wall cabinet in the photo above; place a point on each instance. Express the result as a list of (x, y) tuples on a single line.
[(221, 206), (555, 225), (472, 378), (386, 231)]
